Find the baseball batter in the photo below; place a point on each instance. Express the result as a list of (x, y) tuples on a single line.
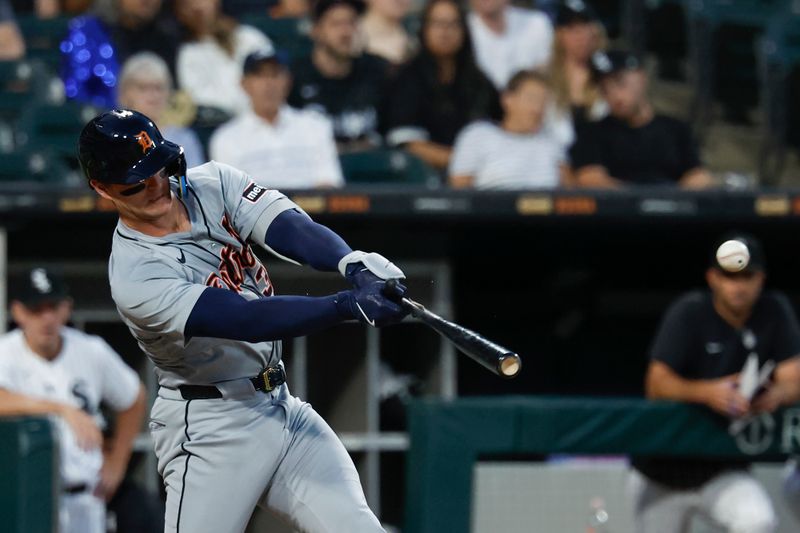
[(227, 433), (47, 368)]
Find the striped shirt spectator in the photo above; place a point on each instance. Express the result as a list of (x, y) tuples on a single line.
[(518, 153)]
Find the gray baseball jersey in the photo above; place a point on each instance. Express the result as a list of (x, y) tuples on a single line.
[(220, 458), (155, 282)]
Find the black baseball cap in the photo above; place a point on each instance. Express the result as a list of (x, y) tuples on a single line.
[(758, 261), (41, 285), (608, 63), (322, 6), (574, 11), (254, 60)]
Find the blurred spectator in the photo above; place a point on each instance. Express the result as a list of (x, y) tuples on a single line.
[(12, 45), (286, 148), (43, 9), (576, 96), (519, 153), (98, 43), (441, 90), (508, 38), (145, 85), (633, 145), (383, 33), (290, 9), (348, 87), (210, 59), (703, 342)]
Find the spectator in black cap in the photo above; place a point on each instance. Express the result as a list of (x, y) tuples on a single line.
[(347, 86), (285, 148), (702, 344), (47, 368), (576, 94), (634, 144)]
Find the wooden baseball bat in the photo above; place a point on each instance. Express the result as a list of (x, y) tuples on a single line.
[(494, 357)]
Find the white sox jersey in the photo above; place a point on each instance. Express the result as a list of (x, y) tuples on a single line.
[(86, 372), (156, 281)]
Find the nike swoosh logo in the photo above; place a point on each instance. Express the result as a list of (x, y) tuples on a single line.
[(370, 322), (182, 258)]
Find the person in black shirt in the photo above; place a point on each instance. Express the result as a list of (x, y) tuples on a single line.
[(633, 145), (703, 342), (441, 90), (347, 87)]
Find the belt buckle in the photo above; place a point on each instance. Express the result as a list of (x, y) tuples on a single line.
[(266, 377)]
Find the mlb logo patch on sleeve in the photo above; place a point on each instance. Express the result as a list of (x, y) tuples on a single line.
[(253, 192)]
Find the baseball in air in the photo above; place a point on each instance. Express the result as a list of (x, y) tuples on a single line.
[(733, 256)]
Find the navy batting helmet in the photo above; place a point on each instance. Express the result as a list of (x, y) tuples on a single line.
[(125, 147)]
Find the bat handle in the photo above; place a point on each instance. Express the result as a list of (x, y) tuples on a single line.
[(390, 291)]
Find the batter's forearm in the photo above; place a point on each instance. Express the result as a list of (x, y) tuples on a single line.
[(129, 423), (295, 235), (224, 314)]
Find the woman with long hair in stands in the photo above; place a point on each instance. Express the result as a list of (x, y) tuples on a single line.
[(576, 96), (211, 57), (441, 89)]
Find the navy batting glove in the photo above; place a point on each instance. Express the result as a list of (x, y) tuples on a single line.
[(358, 275), (369, 304)]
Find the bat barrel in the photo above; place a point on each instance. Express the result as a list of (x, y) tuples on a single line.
[(509, 365)]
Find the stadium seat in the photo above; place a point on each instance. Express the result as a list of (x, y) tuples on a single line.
[(43, 38), (54, 127), (725, 32), (39, 166), (23, 83), (384, 166), (779, 74), (288, 34)]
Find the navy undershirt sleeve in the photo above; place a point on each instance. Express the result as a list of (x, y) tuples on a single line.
[(223, 314), (293, 234)]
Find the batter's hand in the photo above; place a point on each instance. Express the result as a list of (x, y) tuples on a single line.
[(361, 268), (722, 395), (87, 434), (369, 304)]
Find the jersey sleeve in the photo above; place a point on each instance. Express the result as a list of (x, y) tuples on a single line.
[(250, 206), (154, 297), (120, 382), (7, 378), (467, 153), (403, 120), (689, 154), (787, 333), (588, 148), (671, 344)]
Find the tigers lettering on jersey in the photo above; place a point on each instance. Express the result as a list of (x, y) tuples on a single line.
[(253, 192), (235, 262)]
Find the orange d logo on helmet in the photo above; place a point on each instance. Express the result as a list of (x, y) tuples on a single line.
[(145, 141)]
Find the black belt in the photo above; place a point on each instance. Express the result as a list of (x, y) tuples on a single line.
[(269, 379), (75, 489)]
